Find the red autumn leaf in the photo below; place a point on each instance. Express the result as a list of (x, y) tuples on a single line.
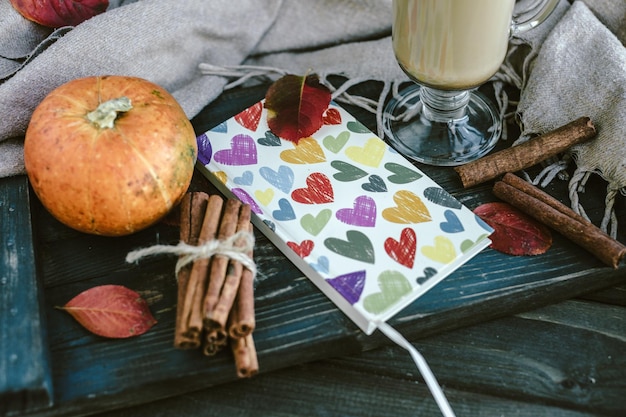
[(296, 106), (515, 233), (57, 13), (111, 311)]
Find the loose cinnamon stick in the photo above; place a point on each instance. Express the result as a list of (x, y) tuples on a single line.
[(527, 154), (192, 306), (559, 217), (246, 361), (192, 209), (242, 318), (220, 263), (219, 316)]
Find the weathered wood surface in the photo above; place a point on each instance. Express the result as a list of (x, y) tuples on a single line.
[(25, 374), (513, 362), (564, 360)]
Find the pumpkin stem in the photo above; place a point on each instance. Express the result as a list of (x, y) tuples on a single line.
[(105, 114)]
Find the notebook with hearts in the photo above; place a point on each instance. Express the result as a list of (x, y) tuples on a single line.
[(371, 230)]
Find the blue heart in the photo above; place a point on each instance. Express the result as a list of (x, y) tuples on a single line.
[(281, 179), (452, 223), (285, 211), (221, 128), (245, 179), (322, 265)]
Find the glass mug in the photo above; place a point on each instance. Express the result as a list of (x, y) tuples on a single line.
[(449, 48)]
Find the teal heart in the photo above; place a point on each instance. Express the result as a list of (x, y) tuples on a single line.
[(441, 197), (357, 246), (347, 172), (315, 224), (393, 286), (401, 174), (270, 139), (335, 143), (357, 127), (375, 185)]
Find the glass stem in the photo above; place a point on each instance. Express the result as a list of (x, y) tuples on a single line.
[(443, 106)]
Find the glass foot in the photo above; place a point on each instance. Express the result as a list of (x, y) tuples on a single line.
[(444, 135)]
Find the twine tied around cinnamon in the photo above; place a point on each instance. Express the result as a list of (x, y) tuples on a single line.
[(235, 247)]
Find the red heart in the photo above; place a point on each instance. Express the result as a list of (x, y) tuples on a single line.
[(303, 249), (402, 251), (332, 117), (318, 190), (250, 117)]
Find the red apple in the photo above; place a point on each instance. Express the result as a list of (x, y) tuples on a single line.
[(57, 13)]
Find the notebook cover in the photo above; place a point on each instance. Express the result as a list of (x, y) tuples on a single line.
[(371, 230)]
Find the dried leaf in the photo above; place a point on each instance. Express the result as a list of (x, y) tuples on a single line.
[(111, 311), (515, 233), (296, 106)]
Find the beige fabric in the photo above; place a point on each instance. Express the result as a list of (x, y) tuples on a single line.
[(581, 71)]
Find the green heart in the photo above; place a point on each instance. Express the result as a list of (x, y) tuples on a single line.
[(358, 246), (334, 144), (468, 244), (315, 224), (347, 172), (401, 174), (393, 286), (357, 127)]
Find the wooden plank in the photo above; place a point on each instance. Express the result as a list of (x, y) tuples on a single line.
[(512, 366), (25, 374)]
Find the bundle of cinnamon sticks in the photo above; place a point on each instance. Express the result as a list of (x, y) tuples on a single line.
[(216, 295)]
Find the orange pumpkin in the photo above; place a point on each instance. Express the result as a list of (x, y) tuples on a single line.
[(109, 155)]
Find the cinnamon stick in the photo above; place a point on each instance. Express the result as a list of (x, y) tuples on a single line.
[(192, 305), (242, 318), (192, 209), (219, 315), (219, 263), (214, 341), (246, 361), (561, 218), (527, 154)]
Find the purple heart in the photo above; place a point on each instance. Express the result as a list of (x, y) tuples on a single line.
[(204, 149), (363, 212), (246, 198), (350, 285), (242, 152)]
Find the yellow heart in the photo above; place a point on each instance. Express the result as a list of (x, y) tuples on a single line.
[(409, 209), (264, 197), (371, 154), (221, 176), (443, 251), (307, 151)]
